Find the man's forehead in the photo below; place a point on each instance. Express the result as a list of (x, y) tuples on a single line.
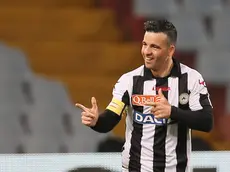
[(155, 37)]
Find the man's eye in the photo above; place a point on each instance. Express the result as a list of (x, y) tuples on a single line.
[(155, 46)]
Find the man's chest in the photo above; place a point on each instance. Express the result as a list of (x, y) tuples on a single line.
[(148, 92)]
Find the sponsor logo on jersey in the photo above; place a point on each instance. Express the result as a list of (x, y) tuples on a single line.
[(202, 83), (147, 119), (141, 100), (162, 88)]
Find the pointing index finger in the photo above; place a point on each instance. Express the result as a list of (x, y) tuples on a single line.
[(82, 107)]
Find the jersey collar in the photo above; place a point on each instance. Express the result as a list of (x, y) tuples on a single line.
[(175, 72)]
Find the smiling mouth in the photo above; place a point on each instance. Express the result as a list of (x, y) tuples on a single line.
[(148, 59)]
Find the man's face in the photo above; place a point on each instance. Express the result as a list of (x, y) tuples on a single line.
[(156, 50)]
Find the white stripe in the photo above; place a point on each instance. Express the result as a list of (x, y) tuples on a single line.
[(148, 133), (172, 130), (128, 136), (194, 102), (191, 77), (128, 132), (189, 149)]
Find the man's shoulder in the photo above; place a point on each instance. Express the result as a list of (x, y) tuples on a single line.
[(190, 71)]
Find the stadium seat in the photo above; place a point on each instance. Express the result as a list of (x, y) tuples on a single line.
[(89, 139), (46, 117), (46, 91), (10, 129), (101, 56), (11, 93), (14, 69), (37, 24), (13, 60), (191, 31), (83, 87), (56, 123), (214, 65), (154, 8), (204, 7), (221, 23)]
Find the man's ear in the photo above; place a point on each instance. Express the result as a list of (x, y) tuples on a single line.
[(172, 49)]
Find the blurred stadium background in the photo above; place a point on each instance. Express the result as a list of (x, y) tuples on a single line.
[(54, 53)]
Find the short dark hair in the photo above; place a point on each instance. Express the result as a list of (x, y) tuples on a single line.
[(162, 26)]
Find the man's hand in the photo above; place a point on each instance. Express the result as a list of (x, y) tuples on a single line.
[(161, 109), (89, 117)]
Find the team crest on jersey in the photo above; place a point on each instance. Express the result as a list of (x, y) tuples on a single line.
[(184, 98), (147, 119), (141, 100), (202, 83)]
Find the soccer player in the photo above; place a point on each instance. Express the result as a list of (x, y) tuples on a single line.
[(158, 133)]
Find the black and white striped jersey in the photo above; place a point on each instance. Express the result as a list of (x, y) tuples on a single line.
[(159, 145)]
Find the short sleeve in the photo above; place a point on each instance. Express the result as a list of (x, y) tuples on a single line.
[(199, 96), (120, 90), (120, 95)]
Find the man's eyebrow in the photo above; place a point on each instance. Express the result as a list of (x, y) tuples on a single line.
[(155, 45)]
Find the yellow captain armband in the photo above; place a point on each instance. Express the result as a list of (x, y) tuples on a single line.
[(116, 106)]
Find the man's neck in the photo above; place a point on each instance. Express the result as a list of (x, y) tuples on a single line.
[(164, 70)]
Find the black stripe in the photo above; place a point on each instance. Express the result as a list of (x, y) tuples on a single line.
[(125, 98), (159, 156), (135, 150), (204, 100), (181, 148)]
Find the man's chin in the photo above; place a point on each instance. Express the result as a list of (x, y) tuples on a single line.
[(149, 66)]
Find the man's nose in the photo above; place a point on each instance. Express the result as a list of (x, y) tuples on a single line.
[(147, 51)]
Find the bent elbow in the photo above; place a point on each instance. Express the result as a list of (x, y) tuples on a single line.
[(209, 125), (208, 129)]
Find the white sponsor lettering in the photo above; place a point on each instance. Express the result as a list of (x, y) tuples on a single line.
[(148, 119), (138, 117)]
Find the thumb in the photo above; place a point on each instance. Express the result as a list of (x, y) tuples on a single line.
[(160, 93), (94, 103)]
